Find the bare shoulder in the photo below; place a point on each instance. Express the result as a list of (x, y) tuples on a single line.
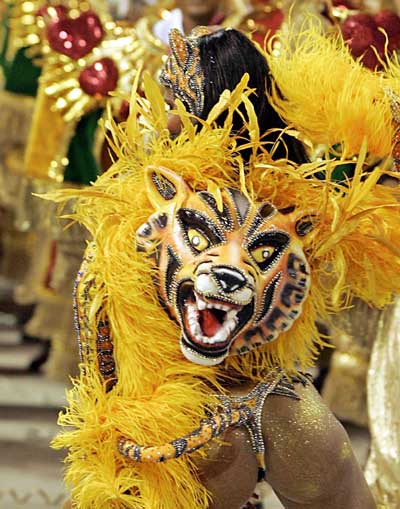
[(309, 456)]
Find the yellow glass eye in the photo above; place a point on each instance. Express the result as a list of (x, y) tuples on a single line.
[(262, 253), (197, 240)]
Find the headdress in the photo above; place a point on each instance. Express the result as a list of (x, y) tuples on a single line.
[(183, 72), (134, 378)]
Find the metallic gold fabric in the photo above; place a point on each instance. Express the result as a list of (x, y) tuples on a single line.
[(16, 115), (344, 390), (383, 468)]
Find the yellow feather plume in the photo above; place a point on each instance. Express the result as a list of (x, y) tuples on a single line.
[(327, 95)]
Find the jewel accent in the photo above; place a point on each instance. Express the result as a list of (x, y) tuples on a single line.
[(24, 28), (75, 38), (100, 78)]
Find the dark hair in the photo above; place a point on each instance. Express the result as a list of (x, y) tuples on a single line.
[(226, 55)]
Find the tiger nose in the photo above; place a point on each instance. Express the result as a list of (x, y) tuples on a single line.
[(229, 279)]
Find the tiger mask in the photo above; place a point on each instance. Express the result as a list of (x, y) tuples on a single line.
[(233, 274)]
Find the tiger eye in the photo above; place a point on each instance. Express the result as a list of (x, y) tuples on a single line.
[(197, 240), (262, 253)]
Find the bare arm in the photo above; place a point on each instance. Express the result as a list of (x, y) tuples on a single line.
[(230, 471), (310, 463), (309, 458)]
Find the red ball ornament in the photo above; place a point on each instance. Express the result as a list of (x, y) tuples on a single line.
[(99, 78), (390, 22), (364, 39), (372, 58), (75, 38), (358, 32)]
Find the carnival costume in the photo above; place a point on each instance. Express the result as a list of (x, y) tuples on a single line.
[(205, 270)]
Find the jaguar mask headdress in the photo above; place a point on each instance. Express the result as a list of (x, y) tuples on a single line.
[(232, 272)]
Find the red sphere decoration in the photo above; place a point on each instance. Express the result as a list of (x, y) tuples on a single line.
[(75, 37), (123, 113), (358, 32), (364, 39), (390, 22), (100, 78)]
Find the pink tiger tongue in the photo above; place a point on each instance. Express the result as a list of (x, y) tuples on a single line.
[(209, 323)]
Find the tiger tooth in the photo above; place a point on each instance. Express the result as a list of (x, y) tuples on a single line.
[(192, 313), (232, 314), (201, 304), (230, 325), (220, 336)]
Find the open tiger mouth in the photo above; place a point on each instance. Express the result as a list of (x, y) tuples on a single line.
[(210, 325)]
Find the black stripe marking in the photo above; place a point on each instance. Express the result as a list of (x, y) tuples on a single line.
[(249, 335), (295, 265), (265, 212), (223, 216), (164, 186), (242, 204), (275, 316), (291, 295), (268, 297), (173, 265)]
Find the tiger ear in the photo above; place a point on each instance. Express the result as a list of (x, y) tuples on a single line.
[(164, 186)]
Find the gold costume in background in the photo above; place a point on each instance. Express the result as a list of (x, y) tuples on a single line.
[(345, 389), (383, 467)]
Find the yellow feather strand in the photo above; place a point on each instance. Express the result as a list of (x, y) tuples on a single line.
[(160, 395), (328, 96)]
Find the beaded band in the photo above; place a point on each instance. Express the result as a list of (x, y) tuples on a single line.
[(395, 107)]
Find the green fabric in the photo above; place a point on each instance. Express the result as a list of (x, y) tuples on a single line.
[(21, 75), (340, 173), (343, 172), (4, 37), (83, 167)]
